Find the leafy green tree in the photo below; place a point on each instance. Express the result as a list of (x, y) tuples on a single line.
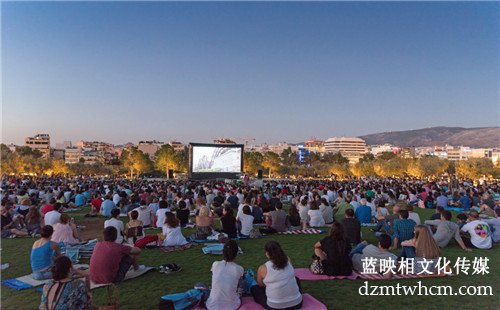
[(363, 168), (367, 157), (334, 158), (136, 161), (474, 168), (386, 156), (288, 157), (252, 162), (271, 161), (27, 151), (166, 158)]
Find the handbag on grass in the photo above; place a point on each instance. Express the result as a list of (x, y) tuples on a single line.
[(316, 266)]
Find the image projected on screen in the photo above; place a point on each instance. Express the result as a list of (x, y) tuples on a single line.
[(216, 159)]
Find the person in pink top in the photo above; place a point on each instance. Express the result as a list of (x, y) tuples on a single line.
[(65, 231)]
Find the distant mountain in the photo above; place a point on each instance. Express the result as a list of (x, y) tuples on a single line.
[(456, 136)]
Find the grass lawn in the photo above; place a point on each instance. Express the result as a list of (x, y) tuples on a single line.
[(144, 292)]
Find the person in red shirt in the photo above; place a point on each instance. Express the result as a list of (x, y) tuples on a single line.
[(110, 261), (49, 207), (96, 203)]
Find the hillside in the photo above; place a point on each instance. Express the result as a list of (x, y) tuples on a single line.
[(473, 137)]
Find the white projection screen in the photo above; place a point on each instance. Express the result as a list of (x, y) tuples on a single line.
[(215, 160)]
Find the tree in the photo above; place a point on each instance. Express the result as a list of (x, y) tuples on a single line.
[(427, 167), (367, 157), (27, 151), (393, 167), (363, 168), (136, 161), (165, 158), (252, 162), (182, 160), (57, 166), (474, 168), (288, 157), (334, 158), (386, 156), (341, 170), (271, 161)]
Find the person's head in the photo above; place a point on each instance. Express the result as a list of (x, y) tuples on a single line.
[(278, 205), (324, 201), (204, 211), (446, 215), (439, 209), (171, 220), (246, 210), (110, 234), (396, 209), (230, 250), (64, 219), (362, 202), (337, 231), (116, 212), (52, 201), (293, 211), (134, 214), (473, 216), (227, 211), (497, 212), (403, 214), (425, 245), (57, 206), (384, 241), (163, 204), (276, 255), (47, 231), (349, 213), (409, 208), (314, 205), (61, 268), (462, 217), (303, 202), (182, 205)]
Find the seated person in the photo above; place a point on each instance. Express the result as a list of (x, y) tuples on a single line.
[(333, 252), (226, 276), (146, 215), (65, 231), (116, 223), (413, 215), (257, 214), (183, 213), (111, 261), (352, 227), (315, 215), (419, 248), (228, 222), (437, 215), (134, 230), (277, 287), (172, 231), (246, 220), (326, 211), (403, 229), (445, 230), (66, 290), (204, 224), (364, 212), (42, 254), (461, 220), (160, 213), (52, 217), (495, 225), (364, 250), (34, 221), (293, 217), (277, 220), (9, 224), (479, 233)]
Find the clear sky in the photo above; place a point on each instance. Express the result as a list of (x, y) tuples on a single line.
[(122, 71)]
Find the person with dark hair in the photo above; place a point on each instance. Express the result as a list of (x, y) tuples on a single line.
[(352, 227), (183, 213), (403, 229), (66, 291), (413, 215), (479, 233), (326, 211), (437, 215), (364, 212), (461, 220), (445, 230), (365, 251), (110, 261), (52, 217), (226, 277), (34, 221), (42, 254), (315, 216), (133, 229), (293, 217), (9, 225), (116, 223), (246, 220), (228, 222), (277, 287), (146, 215), (273, 201), (172, 231), (333, 253), (160, 213), (276, 220), (108, 205)]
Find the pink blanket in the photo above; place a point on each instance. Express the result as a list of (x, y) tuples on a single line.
[(306, 275), (308, 303)]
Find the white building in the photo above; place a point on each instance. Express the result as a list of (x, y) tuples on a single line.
[(350, 147), (40, 142), (72, 155), (377, 149)]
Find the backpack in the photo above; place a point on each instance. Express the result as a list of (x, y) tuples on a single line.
[(180, 301)]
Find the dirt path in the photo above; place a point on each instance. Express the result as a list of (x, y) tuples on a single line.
[(93, 228)]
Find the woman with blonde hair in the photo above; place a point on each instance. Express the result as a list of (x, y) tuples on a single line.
[(422, 248), (65, 231), (204, 224)]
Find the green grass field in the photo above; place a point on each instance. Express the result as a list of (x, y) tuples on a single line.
[(144, 292)]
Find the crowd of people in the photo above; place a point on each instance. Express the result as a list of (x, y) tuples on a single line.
[(38, 207)]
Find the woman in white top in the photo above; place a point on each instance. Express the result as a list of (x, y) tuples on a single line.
[(246, 220), (116, 223), (326, 211), (303, 208), (172, 231), (226, 276), (315, 215), (160, 213), (277, 288)]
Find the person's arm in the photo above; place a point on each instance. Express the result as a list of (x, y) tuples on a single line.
[(261, 274), (460, 242), (410, 242), (432, 222), (55, 248), (135, 250), (317, 245)]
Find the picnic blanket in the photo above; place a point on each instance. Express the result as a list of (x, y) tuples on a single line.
[(308, 303), (368, 224), (456, 209), (310, 231), (176, 248), (26, 282), (216, 249), (306, 275)]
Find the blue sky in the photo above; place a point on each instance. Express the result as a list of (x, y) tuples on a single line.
[(122, 71)]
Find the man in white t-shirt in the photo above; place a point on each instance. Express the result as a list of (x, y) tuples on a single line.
[(479, 231), (146, 215), (52, 217), (116, 223)]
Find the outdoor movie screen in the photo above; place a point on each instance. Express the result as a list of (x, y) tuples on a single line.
[(217, 159)]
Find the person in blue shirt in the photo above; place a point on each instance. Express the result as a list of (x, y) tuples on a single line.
[(106, 206), (80, 200), (464, 201), (364, 212), (442, 200), (404, 229)]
